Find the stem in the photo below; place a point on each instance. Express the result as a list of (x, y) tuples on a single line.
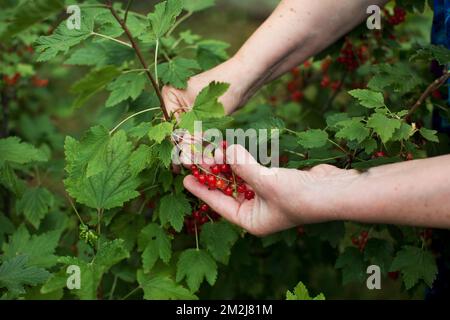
[(181, 20), (5, 114), (74, 208), (113, 288), (196, 236), (131, 293), (99, 226), (129, 117), (156, 62), (112, 39), (340, 147), (436, 84), (140, 57), (130, 2)]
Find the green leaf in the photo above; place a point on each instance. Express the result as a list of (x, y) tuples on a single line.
[(111, 187), (430, 52), (352, 264), (379, 252), (313, 138), (164, 16), (300, 292), (162, 287), (15, 273), (127, 85), (29, 13), (172, 209), (332, 232), (211, 52), (35, 204), (383, 126), (369, 145), (218, 238), (13, 150), (352, 129), (428, 134), (196, 265), (109, 254), (403, 133), (155, 243), (197, 5), (141, 159), (415, 264), (206, 106), (399, 77), (368, 98), (177, 71), (159, 132), (63, 38), (92, 83), (38, 248), (164, 151)]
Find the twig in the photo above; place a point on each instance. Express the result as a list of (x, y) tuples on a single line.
[(436, 84), (140, 57), (182, 19), (111, 38), (127, 9)]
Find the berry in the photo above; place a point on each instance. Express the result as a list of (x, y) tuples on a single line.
[(249, 195), (364, 234), (204, 207), (220, 184), (307, 64), (409, 156), (196, 173), (292, 86), (355, 241), (215, 169), (228, 191), (39, 83), (194, 167), (325, 81), (197, 215), (202, 178), (225, 168), (393, 275), (325, 65), (241, 188), (211, 180), (295, 72), (336, 85), (204, 220), (379, 154), (297, 96), (437, 95), (10, 81)]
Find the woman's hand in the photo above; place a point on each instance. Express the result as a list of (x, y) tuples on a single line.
[(284, 197)]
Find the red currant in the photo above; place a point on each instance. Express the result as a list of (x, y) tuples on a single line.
[(196, 173), (204, 207), (249, 194), (297, 96), (355, 241), (202, 178), (220, 184), (409, 156), (211, 179), (204, 220), (194, 167), (379, 154), (364, 234), (241, 188), (215, 169), (228, 191), (197, 215)]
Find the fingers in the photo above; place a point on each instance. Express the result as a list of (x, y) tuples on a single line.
[(245, 166), (224, 205)]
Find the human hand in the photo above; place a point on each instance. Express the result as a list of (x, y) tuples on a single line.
[(284, 197)]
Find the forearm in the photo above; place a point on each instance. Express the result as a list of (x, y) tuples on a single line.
[(415, 193), (295, 31)]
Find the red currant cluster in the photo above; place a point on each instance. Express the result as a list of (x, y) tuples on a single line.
[(379, 154), (221, 177), (199, 217), (294, 85), (397, 18), (11, 80), (361, 241), (352, 57)]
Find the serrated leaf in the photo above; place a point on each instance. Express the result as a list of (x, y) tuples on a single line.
[(162, 287), (211, 52), (172, 209), (428, 134), (300, 292), (15, 151), (415, 264), (369, 145), (206, 106), (141, 159), (177, 71), (64, 38), (368, 98), (352, 129), (379, 252), (15, 273), (159, 132), (313, 138), (383, 126), (112, 186), (164, 151), (218, 238), (38, 248), (155, 243), (430, 52), (352, 264), (92, 83), (127, 85), (332, 232), (196, 266), (164, 16), (403, 133), (399, 77), (35, 204)]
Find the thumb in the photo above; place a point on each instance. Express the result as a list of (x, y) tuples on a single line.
[(245, 166)]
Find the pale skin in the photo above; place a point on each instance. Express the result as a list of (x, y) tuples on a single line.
[(415, 193)]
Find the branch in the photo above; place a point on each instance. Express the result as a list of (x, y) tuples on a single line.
[(127, 9), (436, 84), (140, 57)]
